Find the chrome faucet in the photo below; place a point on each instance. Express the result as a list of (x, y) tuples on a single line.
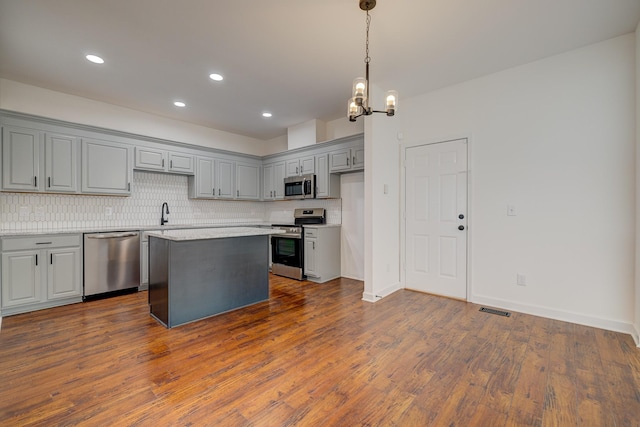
[(163, 210)]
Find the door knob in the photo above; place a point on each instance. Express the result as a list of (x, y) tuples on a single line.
[(461, 227), (461, 216)]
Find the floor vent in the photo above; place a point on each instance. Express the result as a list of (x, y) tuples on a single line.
[(494, 311)]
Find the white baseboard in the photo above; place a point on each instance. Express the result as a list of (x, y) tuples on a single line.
[(565, 316), (636, 334), (378, 295), (352, 277)]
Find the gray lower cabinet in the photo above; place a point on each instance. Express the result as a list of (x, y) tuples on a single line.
[(107, 167), (40, 272), (321, 253), (144, 259), (36, 161)]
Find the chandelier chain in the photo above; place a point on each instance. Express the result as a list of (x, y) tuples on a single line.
[(367, 59)]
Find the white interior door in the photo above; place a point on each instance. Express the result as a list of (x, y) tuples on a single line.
[(436, 218)]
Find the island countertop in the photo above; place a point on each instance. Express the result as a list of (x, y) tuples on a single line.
[(213, 233)]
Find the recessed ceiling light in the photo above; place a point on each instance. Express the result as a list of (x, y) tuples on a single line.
[(179, 104), (267, 114), (95, 59), (216, 77)]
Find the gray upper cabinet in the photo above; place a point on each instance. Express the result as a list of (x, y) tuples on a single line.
[(273, 180), (21, 153), (181, 163), (216, 179), (346, 160), (36, 161), (247, 181), (107, 167), (307, 165), (293, 167), (225, 178), (150, 159), (203, 184), (61, 163), (154, 159), (327, 184), (301, 166)]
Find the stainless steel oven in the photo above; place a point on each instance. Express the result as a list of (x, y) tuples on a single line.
[(287, 249), (300, 187), (287, 252)]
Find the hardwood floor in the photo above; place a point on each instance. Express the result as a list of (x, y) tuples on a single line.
[(315, 354)]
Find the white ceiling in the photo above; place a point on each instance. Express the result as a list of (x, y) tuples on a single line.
[(295, 58)]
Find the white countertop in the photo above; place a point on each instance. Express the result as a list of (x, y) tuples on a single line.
[(213, 233), (98, 229)]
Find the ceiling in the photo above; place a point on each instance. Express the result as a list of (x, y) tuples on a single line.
[(294, 58)]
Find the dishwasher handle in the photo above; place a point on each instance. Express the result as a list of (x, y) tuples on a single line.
[(111, 235)]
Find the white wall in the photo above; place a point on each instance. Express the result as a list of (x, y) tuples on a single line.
[(29, 99), (637, 270), (556, 139), (352, 248), (342, 127), (382, 214)]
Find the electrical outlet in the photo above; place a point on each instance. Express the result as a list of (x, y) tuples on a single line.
[(521, 280)]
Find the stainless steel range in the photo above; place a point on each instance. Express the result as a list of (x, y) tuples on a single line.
[(287, 249)]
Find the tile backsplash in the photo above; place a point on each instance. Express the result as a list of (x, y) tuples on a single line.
[(23, 211)]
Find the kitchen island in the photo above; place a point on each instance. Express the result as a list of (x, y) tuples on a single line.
[(199, 273)]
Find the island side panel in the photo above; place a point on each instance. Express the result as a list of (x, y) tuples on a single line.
[(159, 279), (209, 277)]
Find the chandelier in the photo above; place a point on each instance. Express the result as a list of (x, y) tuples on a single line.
[(359, 104)]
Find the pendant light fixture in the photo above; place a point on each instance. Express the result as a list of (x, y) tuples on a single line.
[(359, 104)]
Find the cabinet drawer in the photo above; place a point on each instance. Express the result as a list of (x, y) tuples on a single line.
[(40, 242), (310, 233)]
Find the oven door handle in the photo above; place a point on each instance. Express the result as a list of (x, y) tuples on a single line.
[(288, 236)]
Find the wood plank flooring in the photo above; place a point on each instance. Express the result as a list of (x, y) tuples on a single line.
[(314, 355)]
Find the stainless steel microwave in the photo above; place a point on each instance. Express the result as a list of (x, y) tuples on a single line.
[(300, 187)]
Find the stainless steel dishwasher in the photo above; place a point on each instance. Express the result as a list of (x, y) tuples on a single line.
[(111, 262)]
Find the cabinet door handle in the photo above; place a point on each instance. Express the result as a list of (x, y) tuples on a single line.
[(129, 187), (43, 243), (218, 191), (237, 193), (49, 182), (313, 244), (214, 191), (354, 160), (36, 259), (171, 164), (51, 259), (35, 181), (347, 161), (297, 170)]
